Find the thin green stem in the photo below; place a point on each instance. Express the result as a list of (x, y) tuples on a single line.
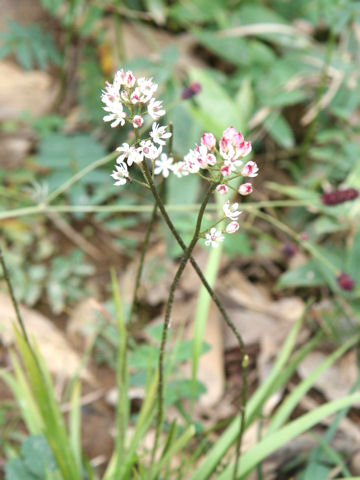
[(311, 131), (66, 185), (45, 208), (13, 298)]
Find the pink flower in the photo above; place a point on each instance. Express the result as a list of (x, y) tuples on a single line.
[(209, 141), (226, 169), (245, 189), (244, 149), (155, 109), (213, 237), (232, 227), (137, 121), (229, 133), (250, 169), (222, 189)]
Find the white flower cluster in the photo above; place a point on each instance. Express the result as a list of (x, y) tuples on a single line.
[(128, 99)]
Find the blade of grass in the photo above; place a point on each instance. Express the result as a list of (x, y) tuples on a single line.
[(279, 438), (122, 411), (284, 411), (75, 424), (217, 452), (54, 425), (175, 447)]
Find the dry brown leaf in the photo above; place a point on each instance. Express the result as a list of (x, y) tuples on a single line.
[(60, 358), (337, 380), (15, 85)]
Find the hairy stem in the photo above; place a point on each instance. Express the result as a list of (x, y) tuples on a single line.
[(218, 305), (186, 255), (144, 248)]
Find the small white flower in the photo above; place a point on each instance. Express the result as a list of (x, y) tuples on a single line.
[(231, 211), (213, 237), (125, 149), (163, 165), (150, 150), (159, 133), (232, 227), (147, 88), (135, 96), (179, 169), (120, 174), (137, 121), (116, 114), (250, 169), (135, 156), (155, 109)]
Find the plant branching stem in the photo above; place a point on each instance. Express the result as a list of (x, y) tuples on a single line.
[(218, 305), (186, 255)]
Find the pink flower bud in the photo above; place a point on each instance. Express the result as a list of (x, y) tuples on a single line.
[(250, 169), (208, 140), (130, 79), (222, 189), (245, 189), (232, 227), (226, 170), (137, 121), (345, 282)]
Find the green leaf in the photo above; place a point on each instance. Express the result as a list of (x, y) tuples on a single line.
[(15, 469), (270, 444), (215, 107), (37, 455), (307, 275), (279, 129)]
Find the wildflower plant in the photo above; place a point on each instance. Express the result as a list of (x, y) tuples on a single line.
[(218, 162)]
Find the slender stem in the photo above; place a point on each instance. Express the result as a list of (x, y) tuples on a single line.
[(186, 255), (218, 305), (42, 207), (66, 185), (13, 298)]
